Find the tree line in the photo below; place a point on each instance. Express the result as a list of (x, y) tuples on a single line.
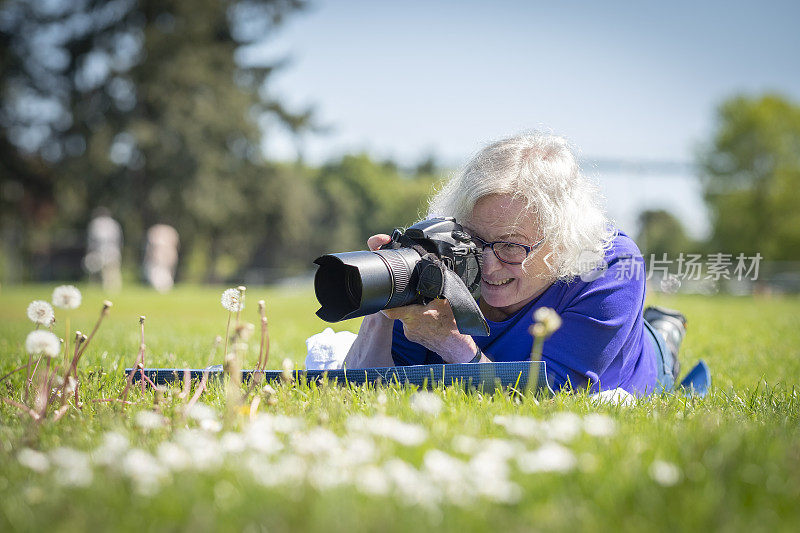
[(155, 110)]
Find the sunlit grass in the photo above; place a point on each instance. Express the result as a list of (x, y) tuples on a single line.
[(728, 461)]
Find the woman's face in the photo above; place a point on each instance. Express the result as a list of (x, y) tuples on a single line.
[(506, 288)]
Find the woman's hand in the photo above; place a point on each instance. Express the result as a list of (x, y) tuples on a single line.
[(432, 325)]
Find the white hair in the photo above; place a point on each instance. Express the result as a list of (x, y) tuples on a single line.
[(540, 169)]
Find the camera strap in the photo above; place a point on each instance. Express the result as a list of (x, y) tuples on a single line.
[(438, 281)]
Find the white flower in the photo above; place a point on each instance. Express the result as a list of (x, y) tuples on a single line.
[(210, 425), (36, 461), (150, 420), (74, 467), (389, 427), (114, 445), (550, 457), (314, 442), (521, 426), (145, 471), (233, 443), (664, 473), (201, 411), (426, 403), (232, 300), (67, 297), (173, 456), (599, 425), (42, 342), (372, 480), (564, 426), (40, 312)]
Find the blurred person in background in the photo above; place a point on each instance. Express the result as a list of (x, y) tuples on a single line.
[(161, 256), (104, 250), (546, 242)]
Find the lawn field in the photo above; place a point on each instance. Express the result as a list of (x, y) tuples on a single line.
[(301, 457)]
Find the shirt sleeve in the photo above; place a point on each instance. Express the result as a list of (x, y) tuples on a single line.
[(406, 352), (597, 322)]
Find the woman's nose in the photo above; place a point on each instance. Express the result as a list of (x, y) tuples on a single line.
[(490, 263)]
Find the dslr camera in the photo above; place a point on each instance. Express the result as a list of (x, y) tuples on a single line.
[(432, 259)]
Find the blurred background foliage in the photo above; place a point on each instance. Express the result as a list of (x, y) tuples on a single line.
[(155, 110), (151, 109)]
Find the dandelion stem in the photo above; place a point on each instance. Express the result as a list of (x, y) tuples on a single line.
[(66, 339), (29, 381), (264, 350), (200, 388), (103, 313), (227, 331), (24, 408), (141, 352), (187, 379)]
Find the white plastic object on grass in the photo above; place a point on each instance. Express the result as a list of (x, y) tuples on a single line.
[(615, 397), (327, 350)]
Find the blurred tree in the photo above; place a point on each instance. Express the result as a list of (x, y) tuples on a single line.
[(751, 177), (661, 232), (150, 108), (361, 197)]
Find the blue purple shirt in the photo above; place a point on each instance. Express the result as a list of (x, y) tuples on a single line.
[(602, 340)]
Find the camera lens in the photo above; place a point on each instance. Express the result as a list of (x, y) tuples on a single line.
[(354, 284)]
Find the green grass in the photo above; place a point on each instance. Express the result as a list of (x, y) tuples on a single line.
[(730, 461)]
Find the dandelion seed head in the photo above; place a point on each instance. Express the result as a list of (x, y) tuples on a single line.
[(550, 457), (426, 403), (598, 425), (548, 318), (232, 300), (41, 342), (201, 411), (149, 420), (245, 330), (36, 461), (67, 297), (665, 473), (74, 468), (40, 312)]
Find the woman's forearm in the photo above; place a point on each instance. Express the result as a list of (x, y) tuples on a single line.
[(373, 346)]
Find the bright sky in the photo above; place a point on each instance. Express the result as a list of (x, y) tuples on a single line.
[(621, 80)]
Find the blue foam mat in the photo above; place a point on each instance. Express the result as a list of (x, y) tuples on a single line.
[(485, 376)]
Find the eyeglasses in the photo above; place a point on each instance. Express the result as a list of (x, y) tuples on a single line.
[(511, 253)]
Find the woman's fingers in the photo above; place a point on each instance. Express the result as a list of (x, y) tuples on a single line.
[(376, 241)]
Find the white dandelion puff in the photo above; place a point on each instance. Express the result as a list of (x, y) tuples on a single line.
[(232, 300), (40, 312), (426, 403), (599, 425), (42, 342), (36, 461), (150, 420), (664, 473), (550, 457), (67, 297), (73, 467), (201, 411), (549, 320)]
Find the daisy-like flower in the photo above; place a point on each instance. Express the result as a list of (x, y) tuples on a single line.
[(232, 300), (40, 312), (42, 342), (67, 297)]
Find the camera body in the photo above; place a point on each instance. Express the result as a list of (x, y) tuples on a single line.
[(432, 259)]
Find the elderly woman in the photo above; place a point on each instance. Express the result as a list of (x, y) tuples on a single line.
[(546, 243)]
